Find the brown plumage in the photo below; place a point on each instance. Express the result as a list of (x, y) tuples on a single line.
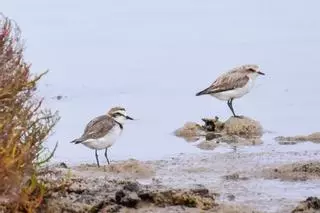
[(102, 131), (233, 84), (97, 128), (100, 126), (233, 79)]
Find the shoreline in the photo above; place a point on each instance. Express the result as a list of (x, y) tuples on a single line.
[(235, 179)]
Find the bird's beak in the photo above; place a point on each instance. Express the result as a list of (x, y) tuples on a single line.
[(261, 73), (129, 118)]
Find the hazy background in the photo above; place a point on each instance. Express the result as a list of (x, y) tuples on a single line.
[(152, 57)]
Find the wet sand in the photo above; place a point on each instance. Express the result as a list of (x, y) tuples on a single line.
[(234, 179)]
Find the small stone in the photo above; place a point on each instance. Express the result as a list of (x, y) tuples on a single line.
[(231, 197), (63, 165), (311, 204), (127, 198), (234, 176), (132, 187)]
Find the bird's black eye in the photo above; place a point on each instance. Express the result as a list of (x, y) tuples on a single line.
[(251, 70)]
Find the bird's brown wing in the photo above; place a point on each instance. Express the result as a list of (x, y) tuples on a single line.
[(98, 127), (228, 81)]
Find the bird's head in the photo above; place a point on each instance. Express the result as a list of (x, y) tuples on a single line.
[(119, 114), (252, 70)]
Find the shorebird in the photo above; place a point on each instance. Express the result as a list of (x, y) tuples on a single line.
[(102, 131), (233, 84)]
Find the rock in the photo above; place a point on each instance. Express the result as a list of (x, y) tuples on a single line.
[(213, 125), (93, 193), (244, 127), (132, 187), (58, 97), (294, 172), (311, 205), (200, 190), (231, 197), (201, 199), (112, 208), (229, 139), (208, 145), (234, 177), (242, 131), (314, 137), (63, 165), (212, 135), (190, 131), (127, 198), (235, 139), (131, 168)]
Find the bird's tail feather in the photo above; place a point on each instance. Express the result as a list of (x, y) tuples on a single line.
[(203, 92)]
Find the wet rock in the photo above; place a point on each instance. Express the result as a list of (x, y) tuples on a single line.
[(212, 135), (131, 168), (311, 205), (208, 145), (244, 127), (242, 131), (235, 139), (213, 125), (234, 209), (63, 165), (287, 142), (294, 172), (191, 131), (81, 192), (106, 208), (127, 198), (229, 139), (59, 97), (200, 190), (314, 137), (234, 177), (201, 199), (132, 187), (231, 197)]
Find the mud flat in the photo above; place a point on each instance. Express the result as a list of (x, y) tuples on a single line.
[(314, 137), (238, 181), (301, 171), (206, 182), (119, 188)]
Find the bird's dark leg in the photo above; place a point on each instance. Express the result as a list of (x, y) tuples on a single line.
[(231, 107), (106, 155), (97, 158)]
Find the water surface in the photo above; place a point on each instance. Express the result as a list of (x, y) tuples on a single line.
[(152, 57)]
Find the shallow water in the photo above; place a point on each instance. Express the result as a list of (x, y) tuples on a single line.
[(153, 56)]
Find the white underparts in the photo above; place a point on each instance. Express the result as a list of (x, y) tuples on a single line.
[(235, 93), (105, 141)]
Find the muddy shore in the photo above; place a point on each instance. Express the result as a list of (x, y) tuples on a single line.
[(185, 183), (268, 181)]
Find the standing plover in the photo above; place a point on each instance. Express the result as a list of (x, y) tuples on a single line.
[(233, 84), (102, 131)]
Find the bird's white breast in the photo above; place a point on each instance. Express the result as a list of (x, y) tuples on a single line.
[(105, 141), (235, 93)]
